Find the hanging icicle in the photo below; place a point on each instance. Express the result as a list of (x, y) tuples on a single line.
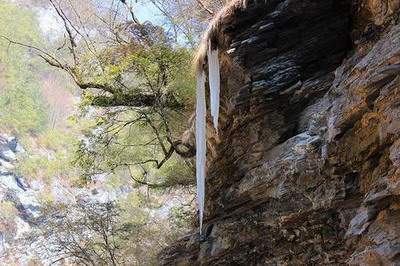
[(214, 81), (201, 126), (201, 144)]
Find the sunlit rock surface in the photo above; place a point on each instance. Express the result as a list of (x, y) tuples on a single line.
[(307, 171)]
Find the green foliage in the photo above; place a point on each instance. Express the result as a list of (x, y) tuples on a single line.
[(53, 157), (174, 172), (149, 68), (180, 218), (7, 210), (88, 234), (116, 138), (133, 206), (134, 137), (56, 139), (110, 147), (93, 233), (21, 105), (129, 71)]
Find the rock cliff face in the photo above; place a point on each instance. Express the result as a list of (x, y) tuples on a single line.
[(307, 170)]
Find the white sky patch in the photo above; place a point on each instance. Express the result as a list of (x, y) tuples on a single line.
[(50, 24), (148, 12)]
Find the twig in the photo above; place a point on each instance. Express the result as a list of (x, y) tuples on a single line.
[(130, 9), (55, 62), (152, 185), (205, 8)]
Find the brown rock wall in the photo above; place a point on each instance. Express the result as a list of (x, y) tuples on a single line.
[(307, 168)]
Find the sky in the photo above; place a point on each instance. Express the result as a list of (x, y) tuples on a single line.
[(148, 12), (52, 27)]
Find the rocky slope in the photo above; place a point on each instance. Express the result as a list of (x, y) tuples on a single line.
[(21, 203), (308, 168)]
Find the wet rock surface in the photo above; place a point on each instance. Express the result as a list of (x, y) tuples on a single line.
[(307, 171)]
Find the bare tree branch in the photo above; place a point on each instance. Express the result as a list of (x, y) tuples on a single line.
[(130, 9), (68, 30), (205, 7), (151, 185), (48, 57)]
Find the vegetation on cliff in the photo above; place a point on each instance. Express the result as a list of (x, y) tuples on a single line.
[(100, 100), (22, 108)]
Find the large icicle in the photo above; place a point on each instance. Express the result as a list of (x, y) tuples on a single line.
[(201, 144), (214, 81)]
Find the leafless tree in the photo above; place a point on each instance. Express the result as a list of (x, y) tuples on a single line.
[(86, 234)]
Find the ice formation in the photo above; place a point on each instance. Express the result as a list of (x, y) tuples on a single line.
[(214, 81), (201, 122), (201, 143)]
